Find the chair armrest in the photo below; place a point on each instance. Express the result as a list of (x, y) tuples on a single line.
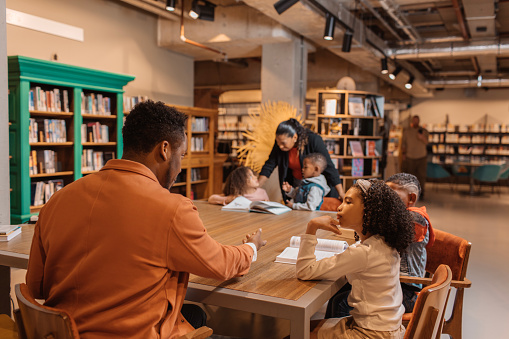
[(199, 333), (427, 281)]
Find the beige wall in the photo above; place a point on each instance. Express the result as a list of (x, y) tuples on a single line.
[(118, 39), (464, 106)]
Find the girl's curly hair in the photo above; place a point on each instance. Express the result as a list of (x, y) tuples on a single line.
[(291, 127), (236, 182), (386, 215)]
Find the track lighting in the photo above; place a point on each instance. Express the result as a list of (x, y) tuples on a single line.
[(347, 41), (408, 84), (395, 73), (202, 9), (329, 27), (385, 69), (170, 5), (283, 5)]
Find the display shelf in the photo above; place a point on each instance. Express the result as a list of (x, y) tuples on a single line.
[(46, 115), (347, 119)]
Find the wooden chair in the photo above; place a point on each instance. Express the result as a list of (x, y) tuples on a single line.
[(454, 252), (330, 204), (37, 321), (8, 328), (428, 315)]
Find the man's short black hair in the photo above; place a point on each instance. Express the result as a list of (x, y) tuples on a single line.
[(151, 122)]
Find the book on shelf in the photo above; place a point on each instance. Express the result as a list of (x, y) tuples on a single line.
[(41, 191), (374, 167), (7, 232), (325, 248), (242, 204), (376, 109), (357, 167), (330, 106), (356, 148), (355, 106), (370, 148)]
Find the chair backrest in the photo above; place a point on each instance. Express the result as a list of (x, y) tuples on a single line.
[(435, 171), (449, 250), (488, 173), (428, 314), (42, 322), (330, 204)]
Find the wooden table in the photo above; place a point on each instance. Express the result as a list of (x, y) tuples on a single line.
[(269, 288)]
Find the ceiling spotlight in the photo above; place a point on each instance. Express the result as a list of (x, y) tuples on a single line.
[(347, 41), (283, 5), (170, 5), (329, 27), (385, 69), (479, 80), (408, 84), (202, 9), (395, 73)]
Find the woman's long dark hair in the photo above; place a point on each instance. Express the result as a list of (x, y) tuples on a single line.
[(291, 127), (385, 214), (236, 182)]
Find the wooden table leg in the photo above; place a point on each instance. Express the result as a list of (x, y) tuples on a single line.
[(5, 290)]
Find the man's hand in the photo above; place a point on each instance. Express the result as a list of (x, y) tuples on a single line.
[(256, 239), (289, 204), (286, 187), (325, 222)]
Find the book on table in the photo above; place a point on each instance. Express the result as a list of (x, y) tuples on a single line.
[(325, 248), (7, 232), (242, 204)]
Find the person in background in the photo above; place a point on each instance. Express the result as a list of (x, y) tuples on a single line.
[(414, 151), (293, 143), (309, 195), (241, 182), (385, 229), (115, 249)]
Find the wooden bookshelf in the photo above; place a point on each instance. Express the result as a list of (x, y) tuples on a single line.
[(344, 117), (26, 74)]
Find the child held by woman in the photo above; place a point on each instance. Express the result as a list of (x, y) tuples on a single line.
[(241, 182), (385, 229)]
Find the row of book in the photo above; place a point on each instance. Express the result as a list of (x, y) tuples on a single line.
[(93, 160), (357, 106), (94, 132), (96, 104), (359, 170), (130, 102), (199, 124), (47, 130), (43, 161), (467, 139), (197, 144), (239, 109), (43, 190), (475, 128), (195, 174), (48, 101)]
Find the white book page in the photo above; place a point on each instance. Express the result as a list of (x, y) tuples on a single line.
[(329, 245), (239, 203)]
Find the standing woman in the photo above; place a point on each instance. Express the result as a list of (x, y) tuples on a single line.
[(293, 142)]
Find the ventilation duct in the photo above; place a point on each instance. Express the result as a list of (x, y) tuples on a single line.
[(464, 83)]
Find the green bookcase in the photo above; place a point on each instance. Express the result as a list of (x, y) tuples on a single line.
[(26, 74)]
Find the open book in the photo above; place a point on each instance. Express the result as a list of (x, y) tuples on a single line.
[(324, 249), (241, 204)]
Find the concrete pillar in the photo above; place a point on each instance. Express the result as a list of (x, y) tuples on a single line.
[(284, 78), (284, 73), (5, 274)]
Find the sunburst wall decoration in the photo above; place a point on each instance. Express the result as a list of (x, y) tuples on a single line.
[(260, 139)]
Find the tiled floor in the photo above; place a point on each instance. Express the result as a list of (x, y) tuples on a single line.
[(483, 220)]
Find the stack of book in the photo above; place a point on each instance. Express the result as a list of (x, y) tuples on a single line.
[(7, 232)]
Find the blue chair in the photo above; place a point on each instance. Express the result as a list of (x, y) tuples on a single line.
[(488, 174), (436, 173), (504, 176)]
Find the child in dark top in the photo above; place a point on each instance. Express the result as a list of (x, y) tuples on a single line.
[(309, 195), (413, 260)]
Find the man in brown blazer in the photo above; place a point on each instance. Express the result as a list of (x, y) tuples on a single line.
[(115, 248)]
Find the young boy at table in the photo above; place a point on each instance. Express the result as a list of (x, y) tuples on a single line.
[(309, 195), (385, 229)]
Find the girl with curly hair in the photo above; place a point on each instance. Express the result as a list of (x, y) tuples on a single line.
[(241, 182), (385, 229)]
